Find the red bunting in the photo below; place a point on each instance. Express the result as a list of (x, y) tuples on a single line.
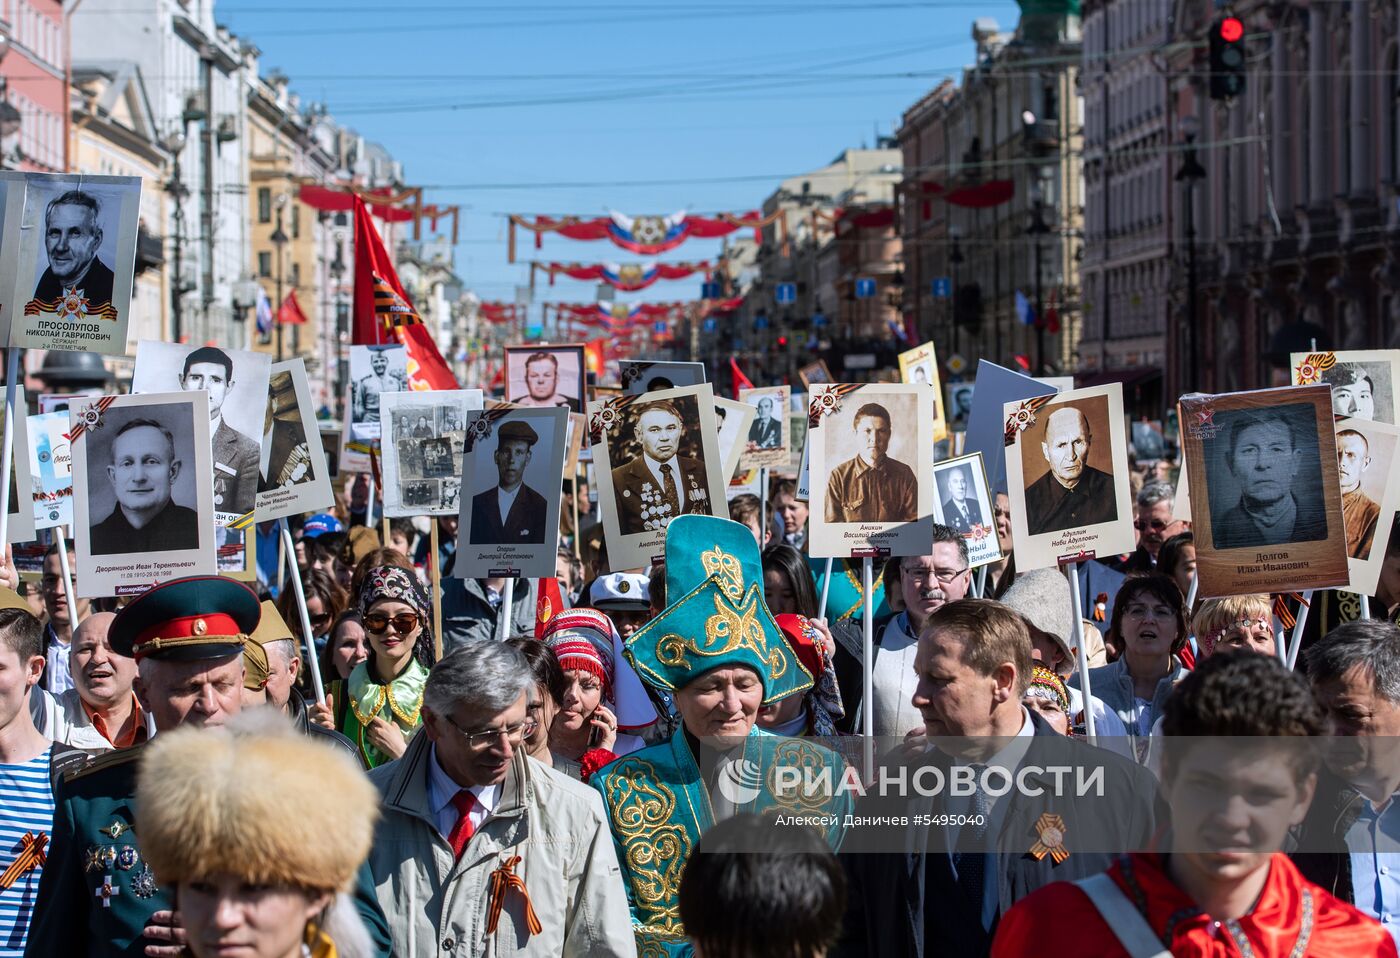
[(975, 196), (627, 277), (647, 235)]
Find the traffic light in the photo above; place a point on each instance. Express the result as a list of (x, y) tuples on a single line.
[(1227, 66)]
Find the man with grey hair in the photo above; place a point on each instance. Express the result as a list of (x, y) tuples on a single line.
[(1155, 525), (1072, 494), (1347, 842), (465, 809), (76, 284)]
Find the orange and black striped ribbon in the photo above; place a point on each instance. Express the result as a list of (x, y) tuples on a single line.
[(1284, 615), (503, 879), (31, 856)]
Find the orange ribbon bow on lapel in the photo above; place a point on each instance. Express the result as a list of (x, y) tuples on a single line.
[(503, 879)]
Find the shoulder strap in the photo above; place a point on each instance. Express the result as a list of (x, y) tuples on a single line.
[(65, 761), (1122, 918)]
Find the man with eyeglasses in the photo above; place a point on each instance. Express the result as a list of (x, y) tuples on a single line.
[(1155, 525), (482, 848), (925, 584)]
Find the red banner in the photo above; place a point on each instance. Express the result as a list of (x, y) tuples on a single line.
[(647, 235), (627, 277)]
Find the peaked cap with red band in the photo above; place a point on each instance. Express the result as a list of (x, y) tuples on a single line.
[(198, 617)]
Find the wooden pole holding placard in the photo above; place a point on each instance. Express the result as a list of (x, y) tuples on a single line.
[(826, 589), (436, 566), (7, 446), (312, 665), (67, 580), (1077, 631)]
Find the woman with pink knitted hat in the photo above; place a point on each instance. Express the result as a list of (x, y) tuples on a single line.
[(585, 734)]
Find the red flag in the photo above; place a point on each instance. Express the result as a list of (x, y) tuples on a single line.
[(595, 356), (289, 313), (740, 380), (549, 604), (383, 312)]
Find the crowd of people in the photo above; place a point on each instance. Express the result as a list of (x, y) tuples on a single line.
[(598, 764)]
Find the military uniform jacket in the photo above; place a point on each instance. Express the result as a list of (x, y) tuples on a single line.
[(658, 804), (235, 470), (97, 895), (638, 493)]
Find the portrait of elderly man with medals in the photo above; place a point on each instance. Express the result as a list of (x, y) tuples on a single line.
[(718, 763)]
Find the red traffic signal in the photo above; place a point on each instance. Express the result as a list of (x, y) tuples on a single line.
[(1228, 62), (1231, 29), (782, 341)]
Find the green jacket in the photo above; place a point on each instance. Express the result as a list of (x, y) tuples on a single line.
[(94, 843)]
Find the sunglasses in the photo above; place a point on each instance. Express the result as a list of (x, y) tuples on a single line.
[(1156, 525), (403, 623), (320, 619)]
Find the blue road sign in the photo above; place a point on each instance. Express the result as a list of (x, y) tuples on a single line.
[(710, 290), (659, 327), (785, 294), (711, 325), (865, 289), (942, 287)]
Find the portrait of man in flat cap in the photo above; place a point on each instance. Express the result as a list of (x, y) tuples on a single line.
[(510, 511)]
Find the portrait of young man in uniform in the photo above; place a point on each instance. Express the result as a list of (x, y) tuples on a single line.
[(235, 455)]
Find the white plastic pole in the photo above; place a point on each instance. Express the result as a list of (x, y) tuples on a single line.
[(826, 588), (67, 579), (1297, 641), (507, 606), (1076, 619), (867, 671), (7, 454), (312, 665)]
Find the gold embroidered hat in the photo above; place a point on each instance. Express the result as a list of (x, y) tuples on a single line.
[(717, 617)]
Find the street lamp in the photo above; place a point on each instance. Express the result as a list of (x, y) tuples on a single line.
[(174, 144), (1037, 229), (1190, 174), (279, 240)]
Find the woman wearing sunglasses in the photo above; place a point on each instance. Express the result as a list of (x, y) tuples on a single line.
[(377, 707)]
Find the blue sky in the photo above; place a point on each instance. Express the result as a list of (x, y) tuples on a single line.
[(548, 106)]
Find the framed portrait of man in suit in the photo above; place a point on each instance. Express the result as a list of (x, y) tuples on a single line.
[(293, 477), (1067, 476), (143, 491), (237, 383), (424, 442), (66, 279), (963, 503), (656, 457), (1266, 488), (769, 437), (509, 508)]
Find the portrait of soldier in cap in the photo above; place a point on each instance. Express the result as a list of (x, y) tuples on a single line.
[(510, 511), (142, 472), (388, 373)]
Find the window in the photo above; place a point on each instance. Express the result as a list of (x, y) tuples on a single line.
[(264, 204), (265, 265), (296, 221), (296, 275)]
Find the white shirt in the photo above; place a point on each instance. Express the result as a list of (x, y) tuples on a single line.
[(56, 664), (655, 468), (505, 500), (442, 790)]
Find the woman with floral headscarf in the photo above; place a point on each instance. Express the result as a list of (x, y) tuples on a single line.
[(377, 707)]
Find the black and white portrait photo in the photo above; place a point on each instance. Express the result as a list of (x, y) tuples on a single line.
[(293, 475), (960, 403), (424, 442), (143, 489), (657, 458), (510, 515), (543, 377), (733, 420), (768, 434), (1068, 463), (20, 520), (78, 271), (963, 504), (866, 492), (1363, 381), (374, 372), (640, 376), (1266, 477), (237, 384)]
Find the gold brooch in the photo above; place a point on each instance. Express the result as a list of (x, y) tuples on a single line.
[(1051, 829)]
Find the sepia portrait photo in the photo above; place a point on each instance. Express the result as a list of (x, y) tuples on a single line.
[(510, 514), (1363, 381), (769, 435), (545, 376), (143, 491), (870, 488), (657, 457), (237, 384), (374, 371), (1067, 475), (1366, 462), (424, 439), (292, 474), (1265, 488), (920, 365), (963, 504)]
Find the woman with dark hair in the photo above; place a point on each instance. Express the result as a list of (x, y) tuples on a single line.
[(1177, 559), (1149, 625), (325, 601), (545, 699), (792, 599), (325, 552), (787, 582), (378, 706), (373, 560), (346, 647)]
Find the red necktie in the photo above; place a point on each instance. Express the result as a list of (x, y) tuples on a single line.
[(464, 801)]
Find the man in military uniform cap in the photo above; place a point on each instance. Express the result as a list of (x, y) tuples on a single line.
[(97, 895), (510, 511)]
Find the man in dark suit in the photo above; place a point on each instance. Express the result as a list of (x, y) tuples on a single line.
[(1073, 493), (510, 511), (648, 491), (235, 455), (960, 510), (72, 237), (766, 432), (144, 519)]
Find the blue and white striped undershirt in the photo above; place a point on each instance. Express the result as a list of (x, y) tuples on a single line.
[(26, 805)]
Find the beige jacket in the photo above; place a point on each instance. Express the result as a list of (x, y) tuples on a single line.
[(436, 906)]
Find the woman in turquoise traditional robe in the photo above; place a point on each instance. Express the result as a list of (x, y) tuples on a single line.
[(718, 652)]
